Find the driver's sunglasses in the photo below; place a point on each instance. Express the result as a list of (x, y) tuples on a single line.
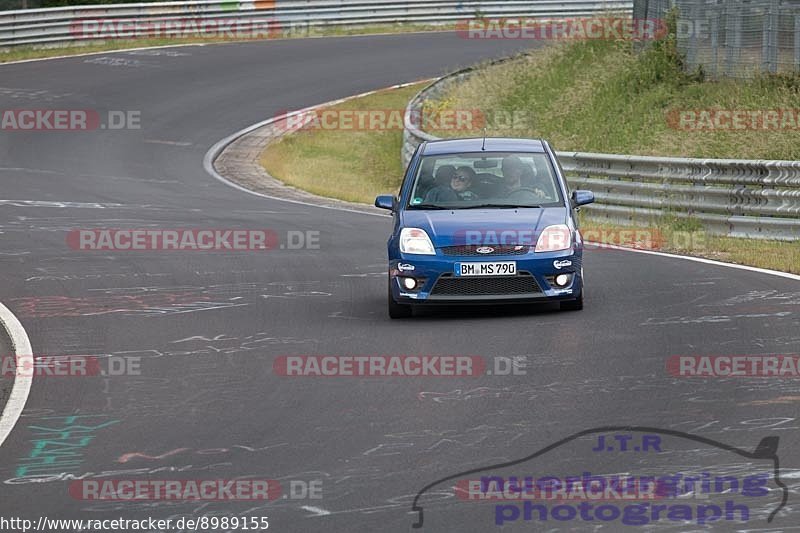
[(460, 177)]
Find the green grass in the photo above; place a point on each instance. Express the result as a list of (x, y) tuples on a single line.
[(346, 164), (600, 96), (18, 53)]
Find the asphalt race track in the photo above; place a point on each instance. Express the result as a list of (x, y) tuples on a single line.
[(205, 328)]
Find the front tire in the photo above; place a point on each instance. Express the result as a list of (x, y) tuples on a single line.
[(397, 310)]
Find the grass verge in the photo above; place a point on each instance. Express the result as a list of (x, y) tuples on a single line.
[(348, 164)]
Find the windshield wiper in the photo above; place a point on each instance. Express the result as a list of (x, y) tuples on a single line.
[(428, 206), (499, 206)]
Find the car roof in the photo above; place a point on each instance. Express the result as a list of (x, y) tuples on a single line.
[(493, 144)]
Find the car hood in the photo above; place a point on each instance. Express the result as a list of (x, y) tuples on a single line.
[(483, 226)]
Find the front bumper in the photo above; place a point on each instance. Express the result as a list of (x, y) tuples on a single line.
[(437, 283)]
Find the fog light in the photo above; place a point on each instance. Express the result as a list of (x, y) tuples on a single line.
[(409, 283), (562, 280)]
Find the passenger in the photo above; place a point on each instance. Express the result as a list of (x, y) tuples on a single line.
[(462, 183)]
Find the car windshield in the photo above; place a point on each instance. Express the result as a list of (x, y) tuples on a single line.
[(498, 180)]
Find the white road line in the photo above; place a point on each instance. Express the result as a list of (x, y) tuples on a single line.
[(216, 150), (316, 510), (87, 54), (171, 143), (702, 260), (24, 378)]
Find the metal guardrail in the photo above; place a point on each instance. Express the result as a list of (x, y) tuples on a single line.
[(65, 25), (736, 197)]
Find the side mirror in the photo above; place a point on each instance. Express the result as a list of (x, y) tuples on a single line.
[(582, 198), (386, 201)]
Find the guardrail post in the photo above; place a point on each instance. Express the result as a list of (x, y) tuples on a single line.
[(733, 37), (769, 41), (691, 50), (715, 16), (797, 42)]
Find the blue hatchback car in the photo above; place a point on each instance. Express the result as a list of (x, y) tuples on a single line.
[(484, 221)]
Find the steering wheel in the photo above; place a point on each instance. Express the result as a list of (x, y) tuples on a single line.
[(527, 193)]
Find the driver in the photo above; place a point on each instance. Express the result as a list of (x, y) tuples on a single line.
[(513, 171)]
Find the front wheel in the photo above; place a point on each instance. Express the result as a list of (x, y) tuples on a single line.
[(397, 310)]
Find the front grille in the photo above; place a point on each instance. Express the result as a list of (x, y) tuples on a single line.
[(450, 285), (471, 250)]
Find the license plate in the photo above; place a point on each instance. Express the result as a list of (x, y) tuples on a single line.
[(496, 268)]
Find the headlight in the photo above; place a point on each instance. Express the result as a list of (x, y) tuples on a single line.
[(554, 238), (415, 241)]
